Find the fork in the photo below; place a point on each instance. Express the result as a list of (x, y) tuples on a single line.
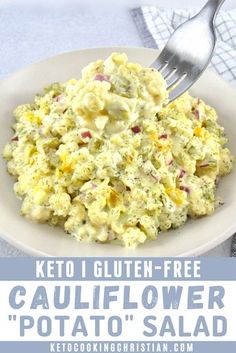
[(189, 50)]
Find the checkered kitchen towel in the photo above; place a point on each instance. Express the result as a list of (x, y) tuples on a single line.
[(155, 26)]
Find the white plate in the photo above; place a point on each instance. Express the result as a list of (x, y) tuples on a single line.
[(194, 238)]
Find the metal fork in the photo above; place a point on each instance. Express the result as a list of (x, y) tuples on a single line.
[(189, 50)]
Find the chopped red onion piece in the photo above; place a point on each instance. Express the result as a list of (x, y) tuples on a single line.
[(86, 134), (182, 173), (102, 77), (171, 162), (155, 177), (185, 188), (15, 138), (197, 114), (164, 136), (204, 165), (136, 129), (58, 98), (94, 186)]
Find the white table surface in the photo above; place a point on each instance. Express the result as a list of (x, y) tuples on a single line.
[(33, 30)]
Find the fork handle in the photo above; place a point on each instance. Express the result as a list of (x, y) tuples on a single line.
[(211, 9)]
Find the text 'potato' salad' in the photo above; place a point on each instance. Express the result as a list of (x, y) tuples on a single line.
[(105, 157)]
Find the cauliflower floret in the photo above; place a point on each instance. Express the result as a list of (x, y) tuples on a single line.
[(201, 197), (60, 204), (226, 162), (132, 237), (34, 212)]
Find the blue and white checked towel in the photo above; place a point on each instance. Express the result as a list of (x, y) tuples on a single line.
[(155, 26)]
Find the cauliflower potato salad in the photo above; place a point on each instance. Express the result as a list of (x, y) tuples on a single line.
[(106, 158)]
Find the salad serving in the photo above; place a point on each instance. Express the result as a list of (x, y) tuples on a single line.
[(106, 158)]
